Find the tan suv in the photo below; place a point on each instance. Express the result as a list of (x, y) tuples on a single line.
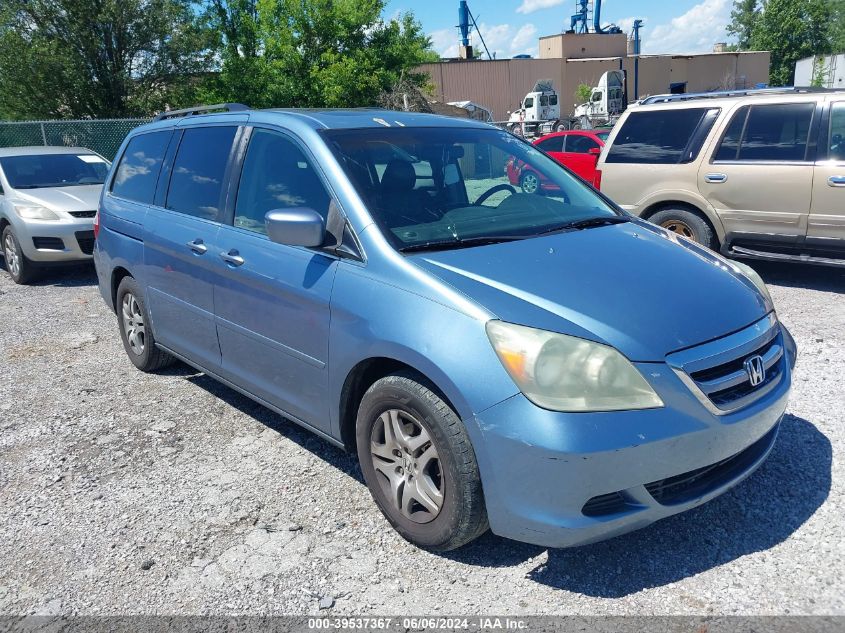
[(761, 174)]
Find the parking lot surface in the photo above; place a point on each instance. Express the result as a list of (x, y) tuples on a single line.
[(122, 492)]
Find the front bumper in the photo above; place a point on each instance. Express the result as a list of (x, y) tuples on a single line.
[(40, 240), (561, 479)]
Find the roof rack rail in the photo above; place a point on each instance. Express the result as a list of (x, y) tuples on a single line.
[(670, 98), (228, 107)]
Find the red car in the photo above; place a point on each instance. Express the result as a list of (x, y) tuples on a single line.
[(576, 149)]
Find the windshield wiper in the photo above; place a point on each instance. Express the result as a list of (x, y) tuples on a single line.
[(586, 224), (442, 245)]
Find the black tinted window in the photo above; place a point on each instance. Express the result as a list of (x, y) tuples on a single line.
[(276, 175), (577, 144), (777, 132), (655, 137), (769, 133), (137, 172), (729, 147), (837, 132), (553, 144), (198, 170)]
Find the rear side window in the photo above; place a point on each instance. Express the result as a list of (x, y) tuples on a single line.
[(777, 132), (196, 184), (553, 144), (657, 137), (137, 173), (837, 132)]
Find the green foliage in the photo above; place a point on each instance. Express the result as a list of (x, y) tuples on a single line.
[(743, 18), (820, 73), (109, 58), (312, 53), (583, 93), (838, 26), (792, 30)]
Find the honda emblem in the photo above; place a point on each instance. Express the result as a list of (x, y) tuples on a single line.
[(755, 369)]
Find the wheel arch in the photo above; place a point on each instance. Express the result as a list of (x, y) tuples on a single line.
[(118, 274), (708, 216), (360, 378)]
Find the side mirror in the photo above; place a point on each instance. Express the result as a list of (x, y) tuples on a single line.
[(595, 151), (298, 226)]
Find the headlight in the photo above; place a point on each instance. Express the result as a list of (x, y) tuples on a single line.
[(564, 373), (34, 213), (754, 277)]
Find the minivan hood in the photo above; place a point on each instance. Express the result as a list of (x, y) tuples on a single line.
[(80, 198), (633, 286)]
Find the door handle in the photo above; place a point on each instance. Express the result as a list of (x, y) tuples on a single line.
[(716, 178), (232, 258), (197, 246), (836, 181)]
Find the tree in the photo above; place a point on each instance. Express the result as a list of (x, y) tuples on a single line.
[(313, 53), (838, 26), (583, 93), (792, 30), (109, 58), (743, 18)]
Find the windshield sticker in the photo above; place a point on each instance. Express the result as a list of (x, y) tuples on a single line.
[(90, 158)]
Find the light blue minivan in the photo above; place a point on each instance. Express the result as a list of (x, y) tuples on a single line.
[(497, 359)]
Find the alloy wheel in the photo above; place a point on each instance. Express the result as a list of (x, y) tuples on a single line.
[(407, 465), (679, 227), (530, 183), (13, 261), (133, 323)]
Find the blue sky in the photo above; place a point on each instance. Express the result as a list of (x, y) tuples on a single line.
[(511, 27)]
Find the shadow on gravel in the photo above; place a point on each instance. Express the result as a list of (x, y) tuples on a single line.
[(824, 278), (758, 514), (70, 276), (329, 453)]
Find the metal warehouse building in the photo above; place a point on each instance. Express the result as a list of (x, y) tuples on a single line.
[(570, 59)]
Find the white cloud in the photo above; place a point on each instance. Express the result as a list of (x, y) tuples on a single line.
[(693, 32), (530, 6), (503, 40)]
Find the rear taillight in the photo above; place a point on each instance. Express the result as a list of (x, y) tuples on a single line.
[(597, 179), (97, 224)]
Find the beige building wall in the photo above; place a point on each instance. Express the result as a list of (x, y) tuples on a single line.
[(500, 85), (587, 45)]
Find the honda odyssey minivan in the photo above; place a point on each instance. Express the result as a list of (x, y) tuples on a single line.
[(495, 358)]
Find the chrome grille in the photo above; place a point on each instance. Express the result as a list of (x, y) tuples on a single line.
[(715, 372)]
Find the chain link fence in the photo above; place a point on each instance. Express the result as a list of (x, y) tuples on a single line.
[(104, 136)]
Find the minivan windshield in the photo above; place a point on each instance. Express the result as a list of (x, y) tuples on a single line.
[(439, 188), (39, 171)]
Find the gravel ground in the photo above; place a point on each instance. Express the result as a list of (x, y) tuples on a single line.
[(122, 492)]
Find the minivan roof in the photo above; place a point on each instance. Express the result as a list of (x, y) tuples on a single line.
[(324, 118)]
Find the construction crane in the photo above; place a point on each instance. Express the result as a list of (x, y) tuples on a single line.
[(466, 22), (580, 21)]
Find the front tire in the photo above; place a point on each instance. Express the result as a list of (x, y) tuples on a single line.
[(687, 223), (419, 464), (20, 268), (133, 320)]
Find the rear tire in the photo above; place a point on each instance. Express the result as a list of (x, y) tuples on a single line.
[(133, 320), (21, 269), (516, 130), (419, 464), (561, 126), (529, 182), (687, 223)]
